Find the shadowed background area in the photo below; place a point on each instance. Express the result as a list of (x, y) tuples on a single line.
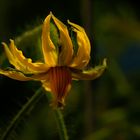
[(107, 108)]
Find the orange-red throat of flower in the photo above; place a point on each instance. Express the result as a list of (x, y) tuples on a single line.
[(60, 84)]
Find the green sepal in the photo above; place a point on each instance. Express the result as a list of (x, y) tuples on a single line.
[(73, 36), (55, 35)]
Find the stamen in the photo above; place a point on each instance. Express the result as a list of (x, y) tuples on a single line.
[(60, 83)]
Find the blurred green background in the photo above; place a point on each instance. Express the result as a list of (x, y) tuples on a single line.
[(107, 108)]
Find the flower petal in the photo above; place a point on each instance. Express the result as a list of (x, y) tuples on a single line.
[(60, 84), (15, 75), (10, 56), (82, 57), (65, 43), (89, 74), (21, 63), (46, 85), (48, 48)]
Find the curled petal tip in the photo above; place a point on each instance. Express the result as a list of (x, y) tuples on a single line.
[(51, 13), (68, 21), (11, 40), (3, 43)]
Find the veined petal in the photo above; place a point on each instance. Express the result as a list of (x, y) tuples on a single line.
[(60, 84), (17, 59), (82, 57), (89, 74), (48, 48), (15, 75), (66, 47)]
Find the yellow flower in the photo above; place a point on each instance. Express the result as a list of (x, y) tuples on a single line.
[(66, 52)]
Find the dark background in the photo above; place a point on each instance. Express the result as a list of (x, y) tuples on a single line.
[(104, 109)]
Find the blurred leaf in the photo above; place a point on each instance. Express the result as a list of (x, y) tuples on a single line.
[(102, 134), (113, 115)]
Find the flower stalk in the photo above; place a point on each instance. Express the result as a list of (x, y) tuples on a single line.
[(13, 124), (61, 124)]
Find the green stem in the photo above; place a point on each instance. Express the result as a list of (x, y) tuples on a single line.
[(32, 101), (28, 34), (61, 125), (59, 120)]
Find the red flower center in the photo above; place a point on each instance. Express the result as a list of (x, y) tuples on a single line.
[(60, 83)]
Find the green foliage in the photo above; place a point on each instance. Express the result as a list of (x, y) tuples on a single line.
[(54, 34)]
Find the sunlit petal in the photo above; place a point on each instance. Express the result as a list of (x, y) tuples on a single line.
[(66, 52), (82, 57), (15, 75), (17, 59), (89, 74), (26, 65), (10, 56), (48, 48)]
